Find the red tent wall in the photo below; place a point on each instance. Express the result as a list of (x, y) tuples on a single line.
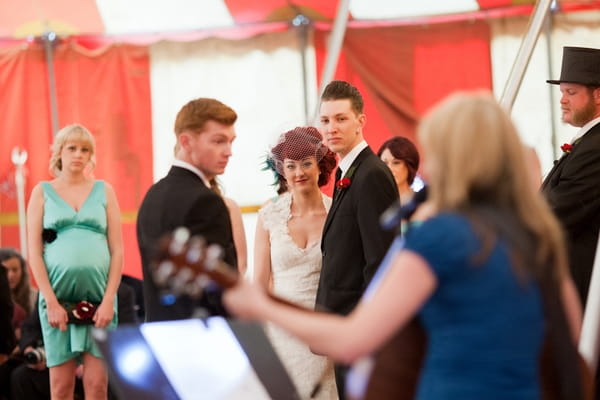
[(106, 90), (402, 71)]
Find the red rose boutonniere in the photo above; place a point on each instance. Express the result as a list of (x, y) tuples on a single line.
[(346, 181), (343, 183), (566, 148)]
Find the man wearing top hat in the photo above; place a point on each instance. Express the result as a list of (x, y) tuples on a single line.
[(572, 187)]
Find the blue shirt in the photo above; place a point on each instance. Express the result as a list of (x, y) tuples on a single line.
[(484, 325)]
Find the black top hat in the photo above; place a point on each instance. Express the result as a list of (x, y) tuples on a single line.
[(580, 65)]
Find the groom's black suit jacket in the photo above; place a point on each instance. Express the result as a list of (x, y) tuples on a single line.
[(572, 188), (353, 243), (181, 199)]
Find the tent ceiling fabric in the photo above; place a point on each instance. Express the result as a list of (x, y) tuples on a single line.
[(21, 19)]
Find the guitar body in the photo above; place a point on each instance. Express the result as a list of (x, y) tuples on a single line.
[(398, 365)]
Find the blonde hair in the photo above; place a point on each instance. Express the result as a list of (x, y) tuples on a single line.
[(75, 132), (476, 157)]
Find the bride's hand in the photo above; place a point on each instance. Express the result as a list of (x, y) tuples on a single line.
[(245, 300)]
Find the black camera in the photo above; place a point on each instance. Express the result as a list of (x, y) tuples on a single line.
[(35, 356)]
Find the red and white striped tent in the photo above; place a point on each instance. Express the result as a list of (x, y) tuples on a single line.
[(124, 68), (182, 17)]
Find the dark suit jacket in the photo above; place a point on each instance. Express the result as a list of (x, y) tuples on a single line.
[(126, 304), (353, 243), (572, 188), (181, 199)]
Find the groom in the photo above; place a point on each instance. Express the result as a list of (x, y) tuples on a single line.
[(353, 243)]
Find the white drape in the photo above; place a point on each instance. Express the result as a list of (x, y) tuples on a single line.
[(260, 78)]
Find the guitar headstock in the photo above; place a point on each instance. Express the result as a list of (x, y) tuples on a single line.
[(186, 265)]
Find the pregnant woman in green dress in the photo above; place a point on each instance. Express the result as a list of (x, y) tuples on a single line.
[(76, 255)]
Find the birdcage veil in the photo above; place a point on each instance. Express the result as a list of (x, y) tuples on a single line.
[(296, 144)]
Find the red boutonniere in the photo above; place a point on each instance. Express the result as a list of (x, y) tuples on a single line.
[(346, 181), (343, 183), (84, 310), (566, 148)]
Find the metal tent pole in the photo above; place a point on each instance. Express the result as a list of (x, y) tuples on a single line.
[(553, 140), (515, 78), (49, 39), (18, 158), (334, 47), (302, 24)]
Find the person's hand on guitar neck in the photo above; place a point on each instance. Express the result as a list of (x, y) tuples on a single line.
[(247, 300)]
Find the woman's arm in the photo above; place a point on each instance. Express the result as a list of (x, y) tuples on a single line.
[(57, 316), (262, 255), (409, 282), (105, 312), (239, 235)]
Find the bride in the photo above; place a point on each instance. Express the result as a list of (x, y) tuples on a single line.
[(287, 255)]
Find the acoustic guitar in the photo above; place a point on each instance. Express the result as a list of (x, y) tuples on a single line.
[(187, 265)]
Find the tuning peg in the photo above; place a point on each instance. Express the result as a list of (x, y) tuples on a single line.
[(162, 272), (194, 288), (181, 236), (213, 255), (196, 249), (180, 279), (202, 280)]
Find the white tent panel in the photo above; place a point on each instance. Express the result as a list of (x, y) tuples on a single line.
[(383, 9), (231, 71), (154, 16)]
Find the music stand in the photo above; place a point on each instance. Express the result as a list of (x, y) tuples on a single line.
[(189, 359)]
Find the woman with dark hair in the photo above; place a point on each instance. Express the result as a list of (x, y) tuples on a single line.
[(18, 278), (287, 255), (402, 158)]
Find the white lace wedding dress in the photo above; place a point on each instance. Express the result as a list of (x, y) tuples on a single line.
[(295, 272)]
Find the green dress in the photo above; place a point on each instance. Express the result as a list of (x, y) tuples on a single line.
[(77, 260)]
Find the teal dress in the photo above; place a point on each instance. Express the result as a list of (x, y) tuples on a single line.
[(77, 261)]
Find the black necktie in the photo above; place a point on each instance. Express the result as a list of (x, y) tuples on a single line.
[(338, 175)]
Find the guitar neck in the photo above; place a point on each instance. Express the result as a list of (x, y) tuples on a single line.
[(186, 265), (227, 277)]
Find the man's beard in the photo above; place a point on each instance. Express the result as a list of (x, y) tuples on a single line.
[(585, 114)]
